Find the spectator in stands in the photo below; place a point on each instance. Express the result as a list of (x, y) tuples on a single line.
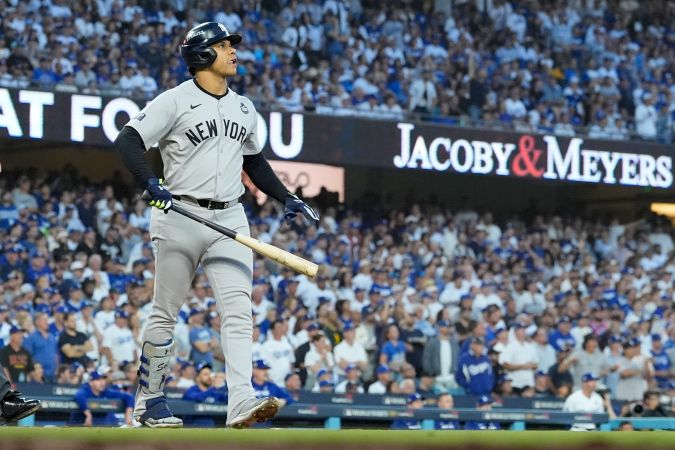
[(519, 359), (586, 400), (645, 117), (441, 354), (484, 403), (41, 345), (612, 356), (561, 378), (542, 384), (562, 336), (474, 369), (263, 387), (352, 383), (414, 401), (73, 345), (349, 351), (202, 340), (319, 356), (278, 352), (118, 342), (634, 370), (382, 384), (293, 384), (651, 401), (15, 359), (663, 366), (393, 351), (587, 360), (545, 351), (186, 375), (87, 325), (206, 389), (97, 388)]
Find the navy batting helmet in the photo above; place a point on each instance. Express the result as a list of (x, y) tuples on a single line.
[(195, 48)]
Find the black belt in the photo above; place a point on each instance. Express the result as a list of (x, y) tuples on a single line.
[(206, 203)]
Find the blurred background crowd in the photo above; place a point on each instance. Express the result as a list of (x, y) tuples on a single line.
[(418, 300), (602, 68)]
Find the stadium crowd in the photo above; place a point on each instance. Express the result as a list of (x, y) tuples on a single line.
[(419, 301), (548, 66)]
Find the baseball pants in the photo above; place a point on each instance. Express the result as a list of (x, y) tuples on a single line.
[(180, 245), (5, 387)]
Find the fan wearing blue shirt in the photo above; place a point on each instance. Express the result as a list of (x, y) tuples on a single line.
[(265, 388), (393, 350), (484, 404), (474, 369), (204, 391), (97, 388), (415, 401), (661, 361), (201, 338), (562, 336), (42, 345)]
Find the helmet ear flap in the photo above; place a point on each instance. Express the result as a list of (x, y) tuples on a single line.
[(204, 58)]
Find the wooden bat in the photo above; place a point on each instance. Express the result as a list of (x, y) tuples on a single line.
[(295, 262)]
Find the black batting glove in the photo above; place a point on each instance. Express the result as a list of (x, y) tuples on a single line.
[(157, 195), (293, 205)]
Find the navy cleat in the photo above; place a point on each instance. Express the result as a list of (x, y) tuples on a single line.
[(158, 415)]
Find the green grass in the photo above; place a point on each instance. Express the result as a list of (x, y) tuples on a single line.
[(422, 439)]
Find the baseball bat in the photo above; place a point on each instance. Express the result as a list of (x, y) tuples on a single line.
[(295, 262)]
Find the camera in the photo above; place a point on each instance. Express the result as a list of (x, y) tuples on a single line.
[(636, 409)]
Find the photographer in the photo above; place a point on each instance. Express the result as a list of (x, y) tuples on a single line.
[(586, 400), (650, 406)]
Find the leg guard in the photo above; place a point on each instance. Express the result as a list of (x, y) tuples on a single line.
[(154, 367)]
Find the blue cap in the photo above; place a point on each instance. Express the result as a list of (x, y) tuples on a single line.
[(615, 338), (290, 374), (350, 367), (43, 308), (61, 309), (520, 325), (321, 372), (86, 304), (633, 342), (211, 303), (565, 319), (443, 324), (382, 369), (348, 327), (195, 311), (74, 367), (202, 365), (540, 373), (589, 376), (121, 314), (260, 364), (313, 326), (466, 297), (324, 383), (96, 375), (14, 329), (485, 400), (185, 364), (414, 397), (656, 337)]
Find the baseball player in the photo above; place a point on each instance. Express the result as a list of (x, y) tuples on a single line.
[(206, 135), (586, 400)]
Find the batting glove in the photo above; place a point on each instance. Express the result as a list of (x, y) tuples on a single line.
[(293, 206), (157, 195)]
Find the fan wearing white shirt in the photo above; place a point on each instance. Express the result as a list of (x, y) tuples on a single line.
[(519, 359), (586, 400), (383, 379), (352, 385), (349, 352), (319, 355), (105, 317), (278, 352), (118, 341)]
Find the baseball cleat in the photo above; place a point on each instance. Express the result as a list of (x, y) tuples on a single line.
[(158, 415), (258, 411), (15, 407)]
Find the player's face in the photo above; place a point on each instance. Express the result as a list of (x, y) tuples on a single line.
[(226, 62)]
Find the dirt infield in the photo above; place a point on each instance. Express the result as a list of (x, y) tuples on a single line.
[(12, 438)]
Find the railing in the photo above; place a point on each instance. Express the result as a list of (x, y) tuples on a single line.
[(333, 411)]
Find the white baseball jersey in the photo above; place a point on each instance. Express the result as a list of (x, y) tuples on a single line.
[(577, 402), (202, 139)]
